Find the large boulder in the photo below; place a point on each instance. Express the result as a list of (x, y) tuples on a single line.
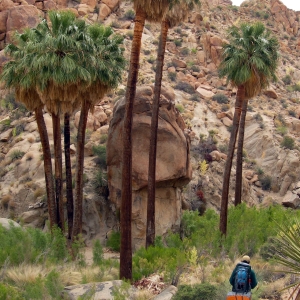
[(173, 169)]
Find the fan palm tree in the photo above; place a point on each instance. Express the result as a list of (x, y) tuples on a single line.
[(17, 74), (153, 11), (175, 15), (108, 65), (287, 252), (249, 62)]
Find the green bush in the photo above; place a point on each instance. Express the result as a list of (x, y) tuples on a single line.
[(185, 51), (266, 182), (114, 241), (195, 97), (31, 245), (178, 43), (100, 152), (282, 130), (99, 181), (172, 76), (97, 253), (204, 291), (129, 15), (288, 142), (169, 261), (16, 154), (220, 98), (180, 108), (184, 86)]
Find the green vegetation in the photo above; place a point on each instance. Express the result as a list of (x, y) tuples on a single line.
[(172, 76), (129, 15), (184, 86), (288, 142), (203, 291), (16, 154), (287, 79), (36, 265), (220, 98), (100, 153)]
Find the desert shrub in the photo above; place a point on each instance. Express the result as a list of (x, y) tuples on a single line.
[(39, 192), (178, 43), (172, 76), (100, 153), (220, 98), (282, 130), (97, 253), (18, 129), (266, 182), (292, 113), (184, 86), (129, 15), (16, 154), (9, 292), (151, 60), (203, 291), (258, 117), (5, 201), (114, 240), (195, 68), (185, 51), (195, 97), (180, 108), (99, 181), (147, 52), (288, 142), (130, 34), (103, 138), (31, 245), (168, 260)]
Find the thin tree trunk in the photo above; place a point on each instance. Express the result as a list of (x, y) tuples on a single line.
[(239, 157), (226, 178), (77, 221), (126, 199), (68, 166), (47, 166), (58, 171), (150, 228)]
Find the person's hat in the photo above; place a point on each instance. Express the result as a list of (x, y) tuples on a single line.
[(246, 258)]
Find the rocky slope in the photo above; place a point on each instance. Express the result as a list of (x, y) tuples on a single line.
[(271, 165)]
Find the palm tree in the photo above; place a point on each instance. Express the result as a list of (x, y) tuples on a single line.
[(249, 62), (154, 11), (17, 74), (287, 252), (175, 15), (108, 65), (239, 155)]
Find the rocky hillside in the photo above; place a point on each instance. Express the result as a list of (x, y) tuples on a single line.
[(206, 102)]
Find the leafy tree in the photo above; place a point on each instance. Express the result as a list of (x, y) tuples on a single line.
[(175, 15), (249, 62)]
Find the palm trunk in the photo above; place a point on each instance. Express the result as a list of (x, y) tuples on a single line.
[(68, 174), (239, 158), (226, 179), (150, 228), (126, 199), (58, 171), (47, 166), (77, 220)]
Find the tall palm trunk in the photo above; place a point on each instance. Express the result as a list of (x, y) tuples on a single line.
[(58, 171), (239, 156), (150, 228), (226, 178), (47, 166), (69, 188), (126, 199), (77, 219)]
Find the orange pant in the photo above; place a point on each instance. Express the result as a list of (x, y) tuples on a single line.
[(235, 296)]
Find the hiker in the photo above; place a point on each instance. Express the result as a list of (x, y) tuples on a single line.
[(243, 278)]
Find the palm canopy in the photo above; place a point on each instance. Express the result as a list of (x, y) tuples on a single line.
[(155, 10), (180, 10), (61, 60), (250, 58)]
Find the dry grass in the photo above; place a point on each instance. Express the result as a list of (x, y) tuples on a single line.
[(23, 274), (5, 201), (38, 193), (94, 274)]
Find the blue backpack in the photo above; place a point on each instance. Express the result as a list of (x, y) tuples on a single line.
[(242, 278)]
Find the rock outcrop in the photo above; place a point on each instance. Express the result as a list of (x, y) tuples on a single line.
[(173, 168)]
